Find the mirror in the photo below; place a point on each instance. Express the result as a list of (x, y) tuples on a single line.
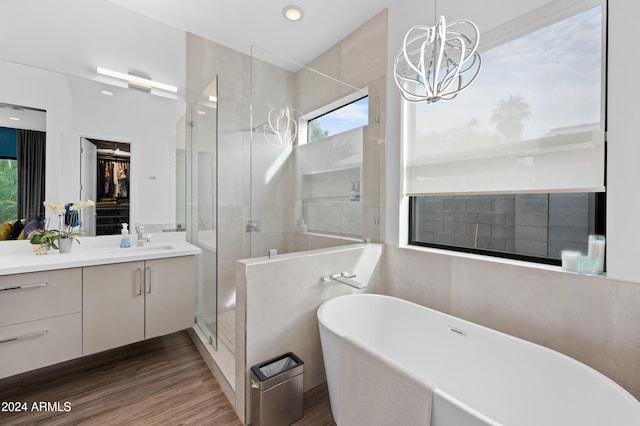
[(50, 64), (80, 108)]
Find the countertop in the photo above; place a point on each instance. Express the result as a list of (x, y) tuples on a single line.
[(17, 257)]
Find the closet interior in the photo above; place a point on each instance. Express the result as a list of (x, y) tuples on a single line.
[(113, 192)]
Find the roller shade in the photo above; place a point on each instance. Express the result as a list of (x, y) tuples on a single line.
[(532, 122)]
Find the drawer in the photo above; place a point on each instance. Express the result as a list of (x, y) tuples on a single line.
[(36, 344), (38, 295)]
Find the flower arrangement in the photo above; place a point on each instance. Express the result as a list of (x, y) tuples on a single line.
[(68, 218), (72, 218)]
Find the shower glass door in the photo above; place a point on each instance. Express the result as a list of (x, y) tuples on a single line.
[(203, 206)]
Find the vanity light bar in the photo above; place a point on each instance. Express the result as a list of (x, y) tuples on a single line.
[(140, 81)]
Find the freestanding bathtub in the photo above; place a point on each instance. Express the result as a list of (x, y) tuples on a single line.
[(479, 376)]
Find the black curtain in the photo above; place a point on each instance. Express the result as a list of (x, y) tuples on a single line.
[(31, 148)]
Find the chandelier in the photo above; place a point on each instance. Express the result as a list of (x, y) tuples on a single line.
[(438, 62)]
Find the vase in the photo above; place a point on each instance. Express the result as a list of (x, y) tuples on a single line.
[(64, 245), (40, 248)]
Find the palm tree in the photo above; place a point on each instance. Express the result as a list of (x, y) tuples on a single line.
[(509, 116), (473, 123)]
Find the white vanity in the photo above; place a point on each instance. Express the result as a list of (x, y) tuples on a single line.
[(58, 307)]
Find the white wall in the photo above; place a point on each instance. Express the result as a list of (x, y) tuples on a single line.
[(623, 173), (75, 36)]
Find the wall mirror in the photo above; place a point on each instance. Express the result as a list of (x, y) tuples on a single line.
[(79, 108)]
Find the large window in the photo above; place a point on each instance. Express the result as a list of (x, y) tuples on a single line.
[(347, 117), (522, 226), (514, 166)]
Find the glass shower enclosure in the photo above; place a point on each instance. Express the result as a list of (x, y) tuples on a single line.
[(202, 208)]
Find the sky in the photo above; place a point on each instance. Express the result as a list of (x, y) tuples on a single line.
[(355, 114)]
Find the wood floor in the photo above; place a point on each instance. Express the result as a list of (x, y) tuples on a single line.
[(158, 382)]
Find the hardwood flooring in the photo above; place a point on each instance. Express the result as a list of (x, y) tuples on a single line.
[(162, 381)]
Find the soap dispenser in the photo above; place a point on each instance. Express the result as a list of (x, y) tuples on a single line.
[(124, 242)]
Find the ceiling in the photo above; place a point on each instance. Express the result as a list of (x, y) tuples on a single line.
[(147, 37), (239, 24)]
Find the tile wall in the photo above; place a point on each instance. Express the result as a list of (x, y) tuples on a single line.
[(592, 319), (277, 303)]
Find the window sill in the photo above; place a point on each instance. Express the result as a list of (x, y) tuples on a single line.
[(493, 259)]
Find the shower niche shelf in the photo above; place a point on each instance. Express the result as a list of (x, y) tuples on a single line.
[(339, 183)]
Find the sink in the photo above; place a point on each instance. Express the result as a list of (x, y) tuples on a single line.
[(145, 248)]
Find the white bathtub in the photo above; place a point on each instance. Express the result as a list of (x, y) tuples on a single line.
[(479, 376)]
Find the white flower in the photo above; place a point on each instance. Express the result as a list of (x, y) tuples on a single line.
[(56, 208), (78, 205)]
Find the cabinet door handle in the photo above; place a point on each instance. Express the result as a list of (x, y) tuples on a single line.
[(147, 278), (22, 287), (139, 281), (24, 336)]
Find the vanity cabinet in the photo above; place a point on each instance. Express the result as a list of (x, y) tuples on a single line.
[(127, 302), (40, 319)]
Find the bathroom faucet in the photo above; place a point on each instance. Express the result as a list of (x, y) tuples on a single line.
[(344, 278), (142, 237)]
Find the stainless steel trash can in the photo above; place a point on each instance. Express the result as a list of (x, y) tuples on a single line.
[(277, 388)]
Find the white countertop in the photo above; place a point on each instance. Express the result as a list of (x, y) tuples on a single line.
[(17, 257)]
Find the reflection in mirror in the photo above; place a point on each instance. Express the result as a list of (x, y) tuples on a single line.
[(105, 175), (22, 169), (78, 107)]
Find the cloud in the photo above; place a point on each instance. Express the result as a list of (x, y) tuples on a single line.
[(556, 70)]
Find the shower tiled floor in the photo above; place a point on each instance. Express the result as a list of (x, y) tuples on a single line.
[(227, 329)]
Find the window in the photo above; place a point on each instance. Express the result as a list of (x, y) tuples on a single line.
[(8, 176), (514, 166), (347, 117), (521, 226), (330, 171), (8, 190)]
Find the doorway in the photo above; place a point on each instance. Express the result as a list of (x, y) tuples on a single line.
[(105, 177)]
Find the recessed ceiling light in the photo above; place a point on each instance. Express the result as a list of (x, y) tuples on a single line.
[(213, 98), (14, 118), (201, 112), (293, 13), (107, 93)]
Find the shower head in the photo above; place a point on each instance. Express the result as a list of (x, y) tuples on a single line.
[(264, 128)]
